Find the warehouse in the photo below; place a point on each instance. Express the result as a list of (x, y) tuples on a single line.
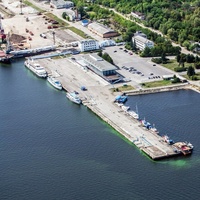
[(102, 67), (101, 30)]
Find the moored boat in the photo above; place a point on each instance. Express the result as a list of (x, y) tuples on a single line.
[(54, 82), (133, 114), (36, 68), (73, 97), (121, 98), (168, 140), (146, 124), (184, 147), (153, 129)]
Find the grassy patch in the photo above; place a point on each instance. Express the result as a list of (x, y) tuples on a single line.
[(78, 32), (33, 6), (173, 64), (123, 88), (60, 21), (157, 84)]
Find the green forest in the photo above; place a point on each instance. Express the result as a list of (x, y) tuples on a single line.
[(178, 20)]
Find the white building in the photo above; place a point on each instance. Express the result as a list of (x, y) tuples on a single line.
[(142, 42), (88, 45), (107, 43), (61, 4)]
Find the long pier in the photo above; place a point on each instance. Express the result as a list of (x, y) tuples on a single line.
[(100, 100)]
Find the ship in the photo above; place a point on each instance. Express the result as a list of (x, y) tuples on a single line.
[(36, 68), (73, 97), (54, 82)]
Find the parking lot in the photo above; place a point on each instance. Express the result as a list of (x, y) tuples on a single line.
[(134, 67)]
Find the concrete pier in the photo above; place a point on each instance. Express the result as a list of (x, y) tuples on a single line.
[(100, 100)]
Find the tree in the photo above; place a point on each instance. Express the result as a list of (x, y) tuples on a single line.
[(190, 71)]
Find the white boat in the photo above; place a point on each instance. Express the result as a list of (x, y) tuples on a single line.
[(54, 82), (133, 114), (73, 97), (154, 129), (36, 68), (125, 108)]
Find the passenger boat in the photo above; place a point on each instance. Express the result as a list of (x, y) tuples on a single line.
[(73, 97), (54, 82), (36, 68), (184, 147)]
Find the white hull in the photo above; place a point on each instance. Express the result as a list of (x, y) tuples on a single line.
[(36, 69), (73, 97), (55, 83)]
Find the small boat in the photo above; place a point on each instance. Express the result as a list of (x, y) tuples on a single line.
[(168, 140), (121, 98), (146, 124), (184, 147), (36, 68), (153, 129), (73, 97), (54, 82), (125, 108), (133, 114)]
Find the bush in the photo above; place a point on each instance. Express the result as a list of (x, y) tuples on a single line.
[(180, 69)]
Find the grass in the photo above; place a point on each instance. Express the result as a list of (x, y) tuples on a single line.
[(157, 84), (77, 31), (123, 88), (60, 21), (33, 6), (197, 75), (173, 64)]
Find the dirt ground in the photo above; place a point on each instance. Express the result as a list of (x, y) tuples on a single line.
[(30, 25)]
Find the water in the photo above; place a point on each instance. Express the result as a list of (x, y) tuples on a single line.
[(53, 149)]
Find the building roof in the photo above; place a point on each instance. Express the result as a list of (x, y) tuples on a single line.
[(142, 39), (60, 2), (100, 28), (98, 62), (89, 40)]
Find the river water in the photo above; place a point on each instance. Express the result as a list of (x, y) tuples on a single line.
[(53, 149)]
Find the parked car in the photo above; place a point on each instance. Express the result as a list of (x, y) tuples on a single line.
[(43, 35)]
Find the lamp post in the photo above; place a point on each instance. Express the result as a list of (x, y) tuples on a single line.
[(54, 41), (21, 7)]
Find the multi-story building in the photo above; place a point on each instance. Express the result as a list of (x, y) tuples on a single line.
[(141, 41), (88, 45)]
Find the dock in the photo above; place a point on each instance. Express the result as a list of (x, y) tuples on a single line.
[(100, 100)]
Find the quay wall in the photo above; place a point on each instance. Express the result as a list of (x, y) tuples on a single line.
[(159, 89)]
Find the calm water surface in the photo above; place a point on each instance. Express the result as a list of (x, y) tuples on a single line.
[(53, 149)]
